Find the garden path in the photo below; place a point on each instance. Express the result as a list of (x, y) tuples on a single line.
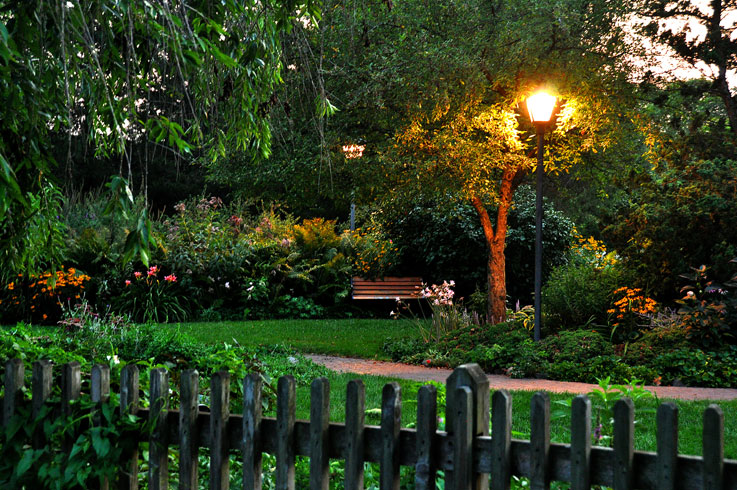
[(420, 373)]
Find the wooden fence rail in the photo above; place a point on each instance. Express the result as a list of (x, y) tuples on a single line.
[(469, 457)]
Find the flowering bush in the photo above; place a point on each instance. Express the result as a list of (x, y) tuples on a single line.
[(373, 253), (708, 311), (39, 298), (591, 251), (631, 312), (146, 298)]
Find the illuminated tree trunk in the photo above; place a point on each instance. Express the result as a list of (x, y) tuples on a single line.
[(496, 302)]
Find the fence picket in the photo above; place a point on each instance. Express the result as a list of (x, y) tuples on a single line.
[(319, 425), (667, 440), (539, 441), (252, 432), (158, 461), (427, 425), (624, 444), (581, 443), (285, 417), (473, 376), (188, 412), (128, 475), (100, 383), (71, 387), (460, 477), (713, 447), (355, 412), (501, 439), (99, 394), (41, 390), (219, 414), (391, 420)]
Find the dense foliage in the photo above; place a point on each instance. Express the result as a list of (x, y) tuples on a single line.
[(214, 262)]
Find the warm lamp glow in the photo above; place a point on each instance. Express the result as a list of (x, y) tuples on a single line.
[(540, 106), (353, 151)]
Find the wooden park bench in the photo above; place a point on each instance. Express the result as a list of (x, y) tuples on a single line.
[(387, 288)]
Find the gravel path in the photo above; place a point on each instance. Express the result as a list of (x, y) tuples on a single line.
[(419, 373)]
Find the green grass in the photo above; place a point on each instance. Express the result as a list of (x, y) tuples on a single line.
[(690, 413), (348, 338)]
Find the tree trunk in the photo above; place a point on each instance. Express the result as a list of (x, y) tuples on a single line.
[(496, 302)]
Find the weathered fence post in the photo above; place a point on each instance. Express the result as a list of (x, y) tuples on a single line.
[(713, 444), (581, 443), (285, 418), (158, 461), (427, 425), (391, 421), (539, 441), (14, 373), (319, 426), (355, 412), (252, 432), (473, 376), (41, 390), (501, 440), (188, 412), (128, 476), (219, 415), (667, 440), (624, 444)]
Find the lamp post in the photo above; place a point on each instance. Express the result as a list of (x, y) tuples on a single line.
[(540, 106)]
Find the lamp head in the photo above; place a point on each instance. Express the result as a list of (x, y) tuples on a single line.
[(541, 106)]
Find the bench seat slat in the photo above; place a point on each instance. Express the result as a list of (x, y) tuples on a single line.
[(387, 288)]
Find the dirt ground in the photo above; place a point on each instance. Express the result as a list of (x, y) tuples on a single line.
[(420, 373)]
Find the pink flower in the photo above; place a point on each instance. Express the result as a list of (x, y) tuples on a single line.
[(427, 362), (127, 282), (153, 270), (170, 278), (137, 274)]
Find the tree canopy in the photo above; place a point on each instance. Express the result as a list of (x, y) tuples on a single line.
[(192, 76)]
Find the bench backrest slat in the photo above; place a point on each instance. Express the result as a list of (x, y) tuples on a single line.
[(387, 288)]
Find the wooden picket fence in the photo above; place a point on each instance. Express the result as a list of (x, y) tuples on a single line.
[(467, 455)]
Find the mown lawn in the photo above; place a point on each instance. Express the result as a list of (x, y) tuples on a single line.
[(348, 337)]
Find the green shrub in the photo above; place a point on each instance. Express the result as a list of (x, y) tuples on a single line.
[(666, 334), (579, 294), (575, 346), (403, 348), (695, 367)]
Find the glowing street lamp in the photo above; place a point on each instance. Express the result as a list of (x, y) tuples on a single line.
[(540, 106)]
